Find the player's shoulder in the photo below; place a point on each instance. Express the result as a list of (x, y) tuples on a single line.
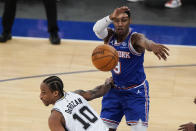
[(134, 40), (136, 35)]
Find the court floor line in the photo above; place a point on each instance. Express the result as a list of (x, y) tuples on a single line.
[(93, 41), (87, 71)]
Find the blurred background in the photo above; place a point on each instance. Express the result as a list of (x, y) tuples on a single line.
[(76, 18)]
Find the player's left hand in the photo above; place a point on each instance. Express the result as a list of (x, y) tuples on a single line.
[(160, 51), (187, 127), (118, 11)]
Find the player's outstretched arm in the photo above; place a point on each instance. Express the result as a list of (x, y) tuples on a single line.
[(140, 42), (98, 91), (56, 121), (101, 26)]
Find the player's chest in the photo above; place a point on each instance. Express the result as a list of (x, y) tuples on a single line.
[(120, 46)]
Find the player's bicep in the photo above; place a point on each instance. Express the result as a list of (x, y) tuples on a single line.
[(55, 123), (138, 41)]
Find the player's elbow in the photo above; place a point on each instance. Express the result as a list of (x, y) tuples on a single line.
[(96, 28), (100, 33)]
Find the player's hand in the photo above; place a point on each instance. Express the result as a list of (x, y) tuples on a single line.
[(160, 51), (187, 127), (195, 100), (118, 11), (109, 82)]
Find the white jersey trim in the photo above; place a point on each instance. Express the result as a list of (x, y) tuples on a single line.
[(56, 109)]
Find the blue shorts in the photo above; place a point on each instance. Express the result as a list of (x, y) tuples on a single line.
[(133, 103)]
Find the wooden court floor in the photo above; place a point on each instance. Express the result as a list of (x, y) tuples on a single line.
[(24, 63)]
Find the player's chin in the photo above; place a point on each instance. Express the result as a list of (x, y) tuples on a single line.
[(45, 103), (120, 32)]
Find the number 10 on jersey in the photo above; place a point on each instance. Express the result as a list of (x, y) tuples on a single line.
[(88, 115)]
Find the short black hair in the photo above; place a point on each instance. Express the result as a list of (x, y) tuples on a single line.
[(55, 84), (128, 13)]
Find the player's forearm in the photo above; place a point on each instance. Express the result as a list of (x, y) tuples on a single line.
[(100, 27), (99, 91), (148, 44)]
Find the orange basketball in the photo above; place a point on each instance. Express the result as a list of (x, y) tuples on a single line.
[(104, 57)]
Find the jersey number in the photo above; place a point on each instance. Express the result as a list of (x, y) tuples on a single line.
[(87, 113), (117, 69)]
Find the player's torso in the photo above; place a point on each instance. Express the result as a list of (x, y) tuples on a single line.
[(129, 70), (78, 115)]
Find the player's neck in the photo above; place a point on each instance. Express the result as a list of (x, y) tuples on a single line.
[(121, 38), (57, 99)]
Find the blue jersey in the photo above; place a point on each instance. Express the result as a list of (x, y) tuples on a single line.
[(129, 71)]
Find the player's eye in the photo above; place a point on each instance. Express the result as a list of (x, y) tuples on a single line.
[(124, 20), (116, 20)]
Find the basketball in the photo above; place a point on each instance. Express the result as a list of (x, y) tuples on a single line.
[(104, 57)]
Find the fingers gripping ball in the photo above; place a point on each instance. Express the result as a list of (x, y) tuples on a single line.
[(104, 57)]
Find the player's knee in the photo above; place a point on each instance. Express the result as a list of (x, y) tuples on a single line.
[(139, 127), (111, 126)]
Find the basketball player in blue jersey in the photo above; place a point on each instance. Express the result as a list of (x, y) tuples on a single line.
[(130, 96)]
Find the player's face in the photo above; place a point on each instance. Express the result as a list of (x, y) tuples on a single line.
[(46, 95), (121, 24)]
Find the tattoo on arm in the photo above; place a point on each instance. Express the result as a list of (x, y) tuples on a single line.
[(140, 42), (80, 92), (97, 92)]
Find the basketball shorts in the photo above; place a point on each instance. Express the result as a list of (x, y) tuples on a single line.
[(131, 102)]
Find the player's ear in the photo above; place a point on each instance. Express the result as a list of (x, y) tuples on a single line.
[(56, 93)]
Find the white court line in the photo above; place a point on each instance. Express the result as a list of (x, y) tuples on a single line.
[(93, 41), (69, 40)]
